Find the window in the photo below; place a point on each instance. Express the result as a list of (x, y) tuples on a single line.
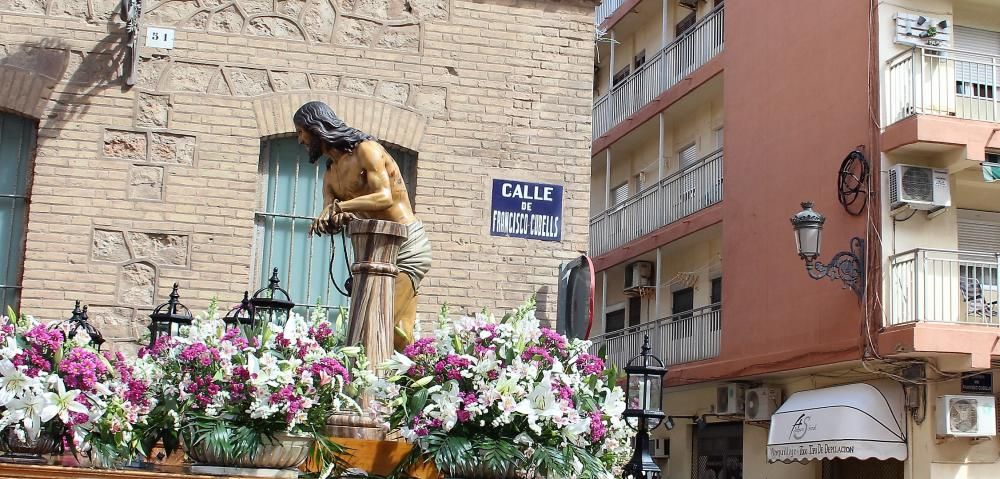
[(640, 59), (684, 25), (683, 302), (620, 76), (634, 311), (686, 157), (718, 451), (292, 197), (614, 321), (619, 194), (17, 145), (716, 293)]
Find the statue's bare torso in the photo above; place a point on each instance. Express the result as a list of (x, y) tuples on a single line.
[(364, 177)]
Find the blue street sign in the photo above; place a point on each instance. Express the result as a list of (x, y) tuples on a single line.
[(526, 210)]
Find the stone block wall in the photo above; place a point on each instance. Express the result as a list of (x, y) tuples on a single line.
[(137, 188)]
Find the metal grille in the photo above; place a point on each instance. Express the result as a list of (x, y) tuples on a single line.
[(293, 196), (17, 142), (718, 451)]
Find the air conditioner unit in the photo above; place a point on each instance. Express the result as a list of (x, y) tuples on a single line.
[(692, 4), (639, 273), (659, 447), (730, 399), (919, 187), (761, 403), (966, 416)]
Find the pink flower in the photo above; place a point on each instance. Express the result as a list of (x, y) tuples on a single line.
[(590, 364)]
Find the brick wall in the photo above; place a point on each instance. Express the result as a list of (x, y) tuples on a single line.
[(136, 188)]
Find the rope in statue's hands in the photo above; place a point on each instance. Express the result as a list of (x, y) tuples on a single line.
[(331, 221)]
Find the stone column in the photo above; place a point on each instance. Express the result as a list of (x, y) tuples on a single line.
[(376, 245)]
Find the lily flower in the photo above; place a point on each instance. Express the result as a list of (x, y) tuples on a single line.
[(13, 381), (29, 407), (61, 403)]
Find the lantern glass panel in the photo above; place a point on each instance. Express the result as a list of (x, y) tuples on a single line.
[(807, 240), (655, 397), (636, 391)]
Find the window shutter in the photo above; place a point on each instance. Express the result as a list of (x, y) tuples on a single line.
[(619, 194), (978, 231), (17, 142), (973, 68), (688, 156)]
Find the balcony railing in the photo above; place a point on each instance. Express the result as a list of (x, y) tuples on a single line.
[(681, 338), (944, 82), (670, 65), (606, 9), (935, 285), (678, 195)]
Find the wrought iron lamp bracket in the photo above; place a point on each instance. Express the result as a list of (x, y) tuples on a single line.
[(847, 266)]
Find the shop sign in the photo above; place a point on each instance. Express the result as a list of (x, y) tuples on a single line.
[(526, 210), (978, 384)]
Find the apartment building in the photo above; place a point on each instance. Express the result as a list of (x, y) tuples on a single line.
[(713, 121)]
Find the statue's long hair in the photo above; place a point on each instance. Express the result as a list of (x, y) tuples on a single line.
[(320, 120)]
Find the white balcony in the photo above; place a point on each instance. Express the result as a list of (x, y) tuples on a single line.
[(678, 195), (943, 286), (670, 65), (681, 338), (606, 9), (944, 82)]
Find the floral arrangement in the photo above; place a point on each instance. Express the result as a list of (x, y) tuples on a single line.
[(503, 395), (63, 388), (229, 393)]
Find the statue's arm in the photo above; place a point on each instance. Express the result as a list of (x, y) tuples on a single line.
[(379, 198)]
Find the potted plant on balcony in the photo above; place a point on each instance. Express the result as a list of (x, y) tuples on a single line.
[(505, 398), (258, 402), (57, 389)]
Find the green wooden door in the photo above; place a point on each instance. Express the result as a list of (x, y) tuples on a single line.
[(17, 145)]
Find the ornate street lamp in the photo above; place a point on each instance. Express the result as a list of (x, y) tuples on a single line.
[(643, 412), (80, 320), (271, 303), (847, 266), (168, 317), (241, 315)]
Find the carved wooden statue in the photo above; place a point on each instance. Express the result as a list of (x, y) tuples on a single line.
[(363, 181)]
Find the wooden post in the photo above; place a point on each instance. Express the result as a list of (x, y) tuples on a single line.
[(376, 245)]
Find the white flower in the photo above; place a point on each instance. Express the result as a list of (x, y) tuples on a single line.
[(13, 381), (399, 364), (446, 405), (61, 403), (29, 407), (614, 403)]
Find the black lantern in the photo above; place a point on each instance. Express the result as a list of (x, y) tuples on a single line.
[(241, 315), (79, 321), (847, 266), (271, 304), (168, 317), (643, 412)]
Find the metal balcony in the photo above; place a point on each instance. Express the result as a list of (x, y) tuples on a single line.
[(944, 82), (680, 338), (944, 286), (678, 195), (605, 10), (670, 65)]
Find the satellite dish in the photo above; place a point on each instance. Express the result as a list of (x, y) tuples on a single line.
[(575, 314)]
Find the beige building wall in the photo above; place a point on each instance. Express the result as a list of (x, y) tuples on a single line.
[(136, 188)]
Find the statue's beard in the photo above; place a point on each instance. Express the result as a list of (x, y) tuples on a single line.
[(315, 150)]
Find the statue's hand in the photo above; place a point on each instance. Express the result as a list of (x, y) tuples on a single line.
[(330, 221)]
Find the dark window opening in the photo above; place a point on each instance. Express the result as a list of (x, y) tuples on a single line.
[(634, 311), (640, 59), (718, 451), (620, 76), (614, 321), (684, 25)]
